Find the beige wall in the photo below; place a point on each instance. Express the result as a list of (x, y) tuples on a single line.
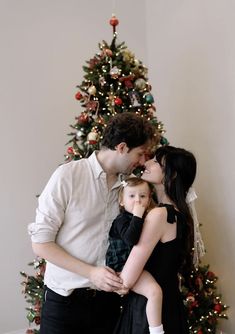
[(189, 49), (44, 45), (191, 56)]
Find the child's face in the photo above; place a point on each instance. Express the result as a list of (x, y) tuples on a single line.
[(139, 193)]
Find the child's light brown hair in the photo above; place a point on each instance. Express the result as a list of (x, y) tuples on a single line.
[(133, 182)]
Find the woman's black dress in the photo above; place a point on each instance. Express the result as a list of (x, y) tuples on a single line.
[(163, 264)]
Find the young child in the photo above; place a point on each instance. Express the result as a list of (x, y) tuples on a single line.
[(135, 201)]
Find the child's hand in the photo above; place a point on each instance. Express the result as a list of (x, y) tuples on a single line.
[(138, 209)]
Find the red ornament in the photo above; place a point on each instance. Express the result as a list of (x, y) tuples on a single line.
[(70, 150), (42, 269), (127, 77), (218, 308), (200, 331), (107, 52), (82, 119), (128, 83), (210, 275), (118, 101), (78, 96), (29, 331), (194, 304), (37, 320), (92, 105), (190, 297), (93, 62), (113, 21)]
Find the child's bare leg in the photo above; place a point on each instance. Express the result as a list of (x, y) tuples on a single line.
[(148, 287)]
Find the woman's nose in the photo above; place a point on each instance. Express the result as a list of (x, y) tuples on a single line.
[(147, 162)]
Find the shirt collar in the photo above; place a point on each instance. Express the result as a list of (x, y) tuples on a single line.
[(98, 170), (95, 165)]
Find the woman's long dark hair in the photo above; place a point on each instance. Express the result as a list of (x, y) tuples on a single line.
[(179, 166)]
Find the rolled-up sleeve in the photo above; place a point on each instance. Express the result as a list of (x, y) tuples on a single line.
[(51, 208)]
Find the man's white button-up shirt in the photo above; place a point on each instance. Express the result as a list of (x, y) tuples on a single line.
[(76, 210)]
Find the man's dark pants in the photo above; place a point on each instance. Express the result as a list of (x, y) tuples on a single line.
[(85, 311)]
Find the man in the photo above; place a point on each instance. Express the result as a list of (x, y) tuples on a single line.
[(73, 219)]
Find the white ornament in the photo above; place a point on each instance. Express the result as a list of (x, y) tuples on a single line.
[(79, 134), (115, 72), (92, 90), (92, 136), (140, 84)]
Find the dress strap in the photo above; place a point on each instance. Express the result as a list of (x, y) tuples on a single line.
[(173, 216), (171, 212)]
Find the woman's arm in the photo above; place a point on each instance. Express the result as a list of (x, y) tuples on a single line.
[(153, 230)]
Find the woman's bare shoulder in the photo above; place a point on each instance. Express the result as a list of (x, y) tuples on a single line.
[(157, 213), (156, 216)]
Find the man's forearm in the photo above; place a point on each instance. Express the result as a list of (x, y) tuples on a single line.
[(58, 256), (103, 278)]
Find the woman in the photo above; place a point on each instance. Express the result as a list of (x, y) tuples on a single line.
[(166, 244)]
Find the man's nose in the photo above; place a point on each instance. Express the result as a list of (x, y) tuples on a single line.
[(142, 160)]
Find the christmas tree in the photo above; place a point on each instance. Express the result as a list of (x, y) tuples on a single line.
[(116, 81), (203, 302), (33, 291)]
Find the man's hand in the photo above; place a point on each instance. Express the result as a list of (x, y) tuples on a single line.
[(105, 278)]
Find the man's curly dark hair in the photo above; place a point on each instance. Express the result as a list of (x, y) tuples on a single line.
[(130, 128)]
